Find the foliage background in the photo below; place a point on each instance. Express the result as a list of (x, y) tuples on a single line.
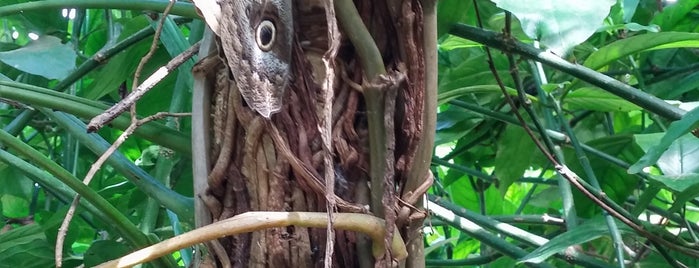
[(488, 171)]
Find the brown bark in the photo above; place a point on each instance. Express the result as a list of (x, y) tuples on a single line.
[(261, 175)]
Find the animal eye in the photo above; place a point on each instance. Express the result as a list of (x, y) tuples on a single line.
[(265, 34)]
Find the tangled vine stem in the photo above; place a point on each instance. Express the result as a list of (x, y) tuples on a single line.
[(260, 220)]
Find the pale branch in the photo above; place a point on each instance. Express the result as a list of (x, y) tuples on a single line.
[(260, 220), (98, 121), (325, 125)]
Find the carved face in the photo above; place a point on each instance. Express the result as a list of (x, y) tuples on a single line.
[(256, 38)]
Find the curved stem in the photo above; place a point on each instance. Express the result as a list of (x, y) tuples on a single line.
[(373, 66), (180, 8), (260, 220)]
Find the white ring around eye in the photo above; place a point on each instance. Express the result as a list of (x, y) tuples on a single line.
[(265, 35)]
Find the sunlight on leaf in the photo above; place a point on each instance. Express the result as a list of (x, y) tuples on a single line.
[(587, 231), (595, 99), (673, 151), (558, 25), (46, 57), (639, 43), (454, 42)]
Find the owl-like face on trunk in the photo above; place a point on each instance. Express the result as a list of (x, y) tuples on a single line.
[(259, 50)]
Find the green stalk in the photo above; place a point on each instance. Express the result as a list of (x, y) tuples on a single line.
[(85, 108), (175, 43), (373, 66), (66, 185), (460, 215), (174, 201), (640, 98), (592, 178), (465, 170), (181, 8)]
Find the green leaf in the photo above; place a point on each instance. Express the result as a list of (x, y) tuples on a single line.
[(16, 183), (678, 183), (25, 246), (454, 124), (14, 206), (45, 56), (454, 42), (684, 148), (450, 12), (448, 95), (629, 7), (672, 14), (679, 165), (104, 250), (615, 182), (595, 99), (515, 149), (675, 85), (640, 43), (585, 232), (633, 27), (558, 24)]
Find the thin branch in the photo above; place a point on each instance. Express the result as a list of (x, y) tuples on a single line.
[(98, 121), (63, 230), (261, 220), (325, 125)]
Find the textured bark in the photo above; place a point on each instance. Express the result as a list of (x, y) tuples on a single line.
[(259, 177)]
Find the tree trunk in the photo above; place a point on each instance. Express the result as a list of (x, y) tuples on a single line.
[(277, 164)]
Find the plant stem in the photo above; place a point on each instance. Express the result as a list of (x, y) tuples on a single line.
[(373, 66), (180, 8), (640, 98)]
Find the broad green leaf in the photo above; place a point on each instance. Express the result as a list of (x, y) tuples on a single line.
[(684, 150), (495, 203), (446, 96), (633, 27), (585, 232), (595, 99), (454, 42), (104, 250), (453, 124), (16, 183), (629, 7), (678, 183), (639, 43), (515, 149), (558, 24), (45, 56), (25, 246), (14, 206), (674, 86), (690, 183), (674, 13), (450, 12), (679, 166)]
